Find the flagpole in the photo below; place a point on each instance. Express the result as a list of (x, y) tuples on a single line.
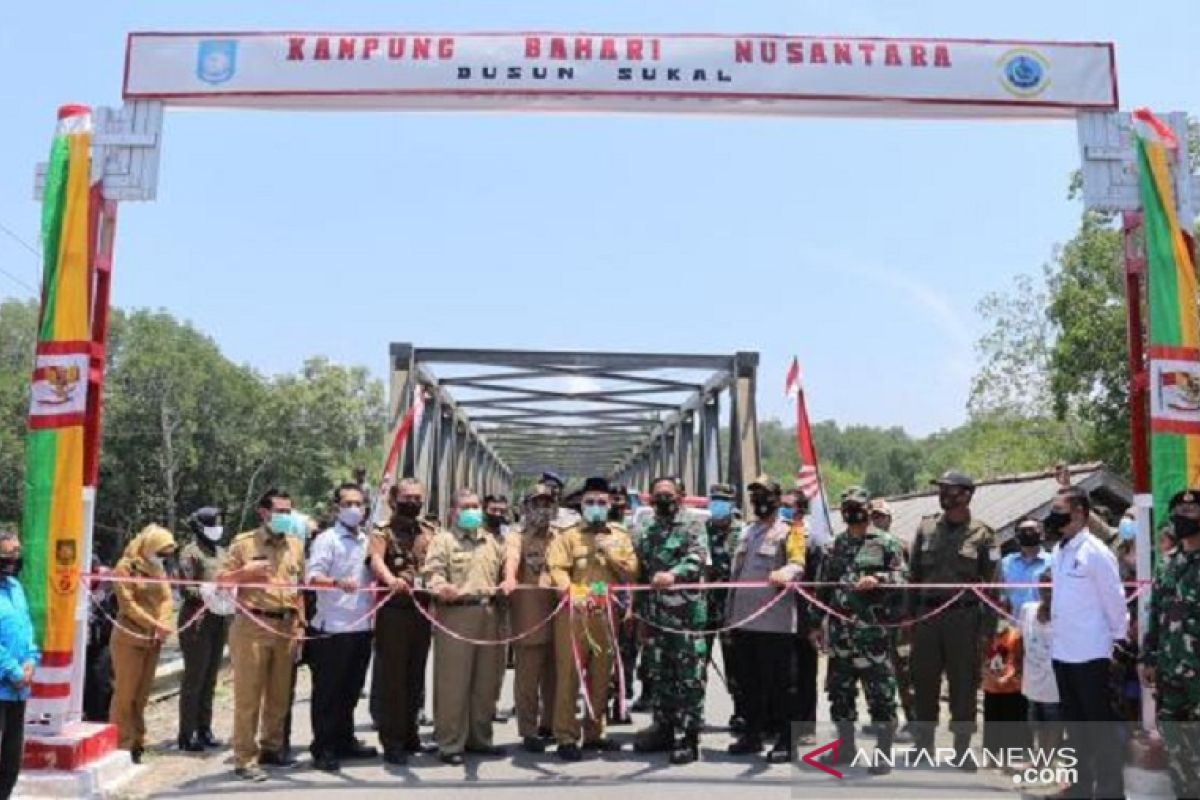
[(802, 417)]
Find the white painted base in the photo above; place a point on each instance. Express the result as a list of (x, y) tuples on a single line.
[(1147, 784), (95, 781)]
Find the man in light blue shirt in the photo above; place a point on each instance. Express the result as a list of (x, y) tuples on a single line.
[(1024, 566), (341, 650), (19, 657)]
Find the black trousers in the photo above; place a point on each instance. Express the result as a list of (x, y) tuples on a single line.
[(402, 638), (12, 743), (339, 669), (766, 673), (806, 684), (1092, 727), (203, 645)]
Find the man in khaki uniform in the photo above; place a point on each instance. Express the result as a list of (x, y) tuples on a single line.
[(593, 551), (262, 659), (462, 571), (525, 566)]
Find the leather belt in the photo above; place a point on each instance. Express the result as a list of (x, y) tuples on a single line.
[(281, 613)]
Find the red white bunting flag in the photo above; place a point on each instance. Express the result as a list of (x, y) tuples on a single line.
[(808, 476)]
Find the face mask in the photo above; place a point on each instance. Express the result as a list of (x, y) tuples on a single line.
[(787, 514), (720, 509), (10, 567), (1028, 538), (595, 515), (616, 513), (1127, 529), (350, 517), (1185, 526), (665, 505), (213, 532), (407, 509), (1055, 521), (494, 521), (949, 500), (854, 516), (764, 507), (281, 523), (538, 517), (470, 519), (157, 563)]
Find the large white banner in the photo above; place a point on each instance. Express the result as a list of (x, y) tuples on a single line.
[(842, 76)]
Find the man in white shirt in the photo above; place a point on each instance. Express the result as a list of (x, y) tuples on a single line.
[(341, 651), (1088, 615)]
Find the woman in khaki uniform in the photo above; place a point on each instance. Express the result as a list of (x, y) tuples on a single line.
[(143, 623)]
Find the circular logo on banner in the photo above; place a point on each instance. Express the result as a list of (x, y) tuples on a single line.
[(1024, 72)]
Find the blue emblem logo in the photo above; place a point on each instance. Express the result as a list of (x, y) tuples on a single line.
[(216, 60), (1024, 72)]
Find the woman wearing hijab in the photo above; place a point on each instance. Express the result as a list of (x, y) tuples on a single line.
[(143, 623)]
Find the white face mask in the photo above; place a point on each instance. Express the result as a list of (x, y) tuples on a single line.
[(213, 532), (350, 517)]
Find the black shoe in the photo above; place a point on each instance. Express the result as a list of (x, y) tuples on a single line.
[(357, 750), (500, 717), (685, 752), (397, 758), (532, 744), (846, 751), (642, 704), (283, 758), (326, 763), (420, 747), (453, 759), (883, 744), (135, 755), (962, 751), (545, 733), (654, 739), (604, 745), (737, 724), (870, 729), (207, 739), (486, 750), (746, 745), (191, 744), (569, 752), (780, 753)]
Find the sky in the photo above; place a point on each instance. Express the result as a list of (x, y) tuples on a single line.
[(862, 247)]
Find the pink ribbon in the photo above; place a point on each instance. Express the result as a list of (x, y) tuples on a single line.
[(764, 608), (852, 621), (435, 622), (620, 664), (192, 620), (587, 696)]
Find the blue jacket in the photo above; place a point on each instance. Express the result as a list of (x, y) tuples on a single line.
[(16, 640)]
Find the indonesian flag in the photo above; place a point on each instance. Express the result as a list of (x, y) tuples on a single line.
[(412, 417), (809, 475)]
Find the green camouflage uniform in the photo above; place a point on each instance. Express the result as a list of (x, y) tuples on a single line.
[(858, 652), (674, 663), (722, 544), (1172, 647)]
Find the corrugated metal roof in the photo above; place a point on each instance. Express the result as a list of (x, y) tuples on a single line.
[(1002, 502)]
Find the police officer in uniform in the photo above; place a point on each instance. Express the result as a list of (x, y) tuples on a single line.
[(263, 659), (396, 552), (950, 547), (525, 566), (203, 642), (1171, 653), (596, 551), (462, 571)]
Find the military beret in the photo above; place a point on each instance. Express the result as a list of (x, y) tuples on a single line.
[(208, 515), (856, 495), (765, 483), (1185, 496), (954, 478), (722, 491), (552, 477), (596, 484)]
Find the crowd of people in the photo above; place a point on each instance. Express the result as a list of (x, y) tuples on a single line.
[(375, 596)]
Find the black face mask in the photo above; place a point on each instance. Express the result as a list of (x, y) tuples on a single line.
[(854, 516), (407, 509), (764, 506), (1184, 526), (951, 500), (1029, 539), (665, 505), (11, 567), (494, 521), (1055, 521), (616, 513)]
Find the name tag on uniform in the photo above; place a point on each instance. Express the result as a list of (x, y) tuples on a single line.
[(871, 555)]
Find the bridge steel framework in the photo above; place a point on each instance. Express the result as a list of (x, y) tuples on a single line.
[(512, 414)]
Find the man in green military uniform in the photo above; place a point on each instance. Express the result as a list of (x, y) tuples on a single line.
[(951, 547), (1171, 650), (860, 560), (671, 549), (724, 530), (203, 642)]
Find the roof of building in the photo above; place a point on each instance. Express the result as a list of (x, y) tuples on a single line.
[(1002, 502)]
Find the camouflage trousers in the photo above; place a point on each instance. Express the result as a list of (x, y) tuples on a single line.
[(860, 655), (675, 668), (902, 664), (1179, 724)]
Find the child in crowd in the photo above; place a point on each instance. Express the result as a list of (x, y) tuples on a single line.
[(1038, 684)]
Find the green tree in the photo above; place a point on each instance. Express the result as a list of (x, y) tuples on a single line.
[(18, 331)]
